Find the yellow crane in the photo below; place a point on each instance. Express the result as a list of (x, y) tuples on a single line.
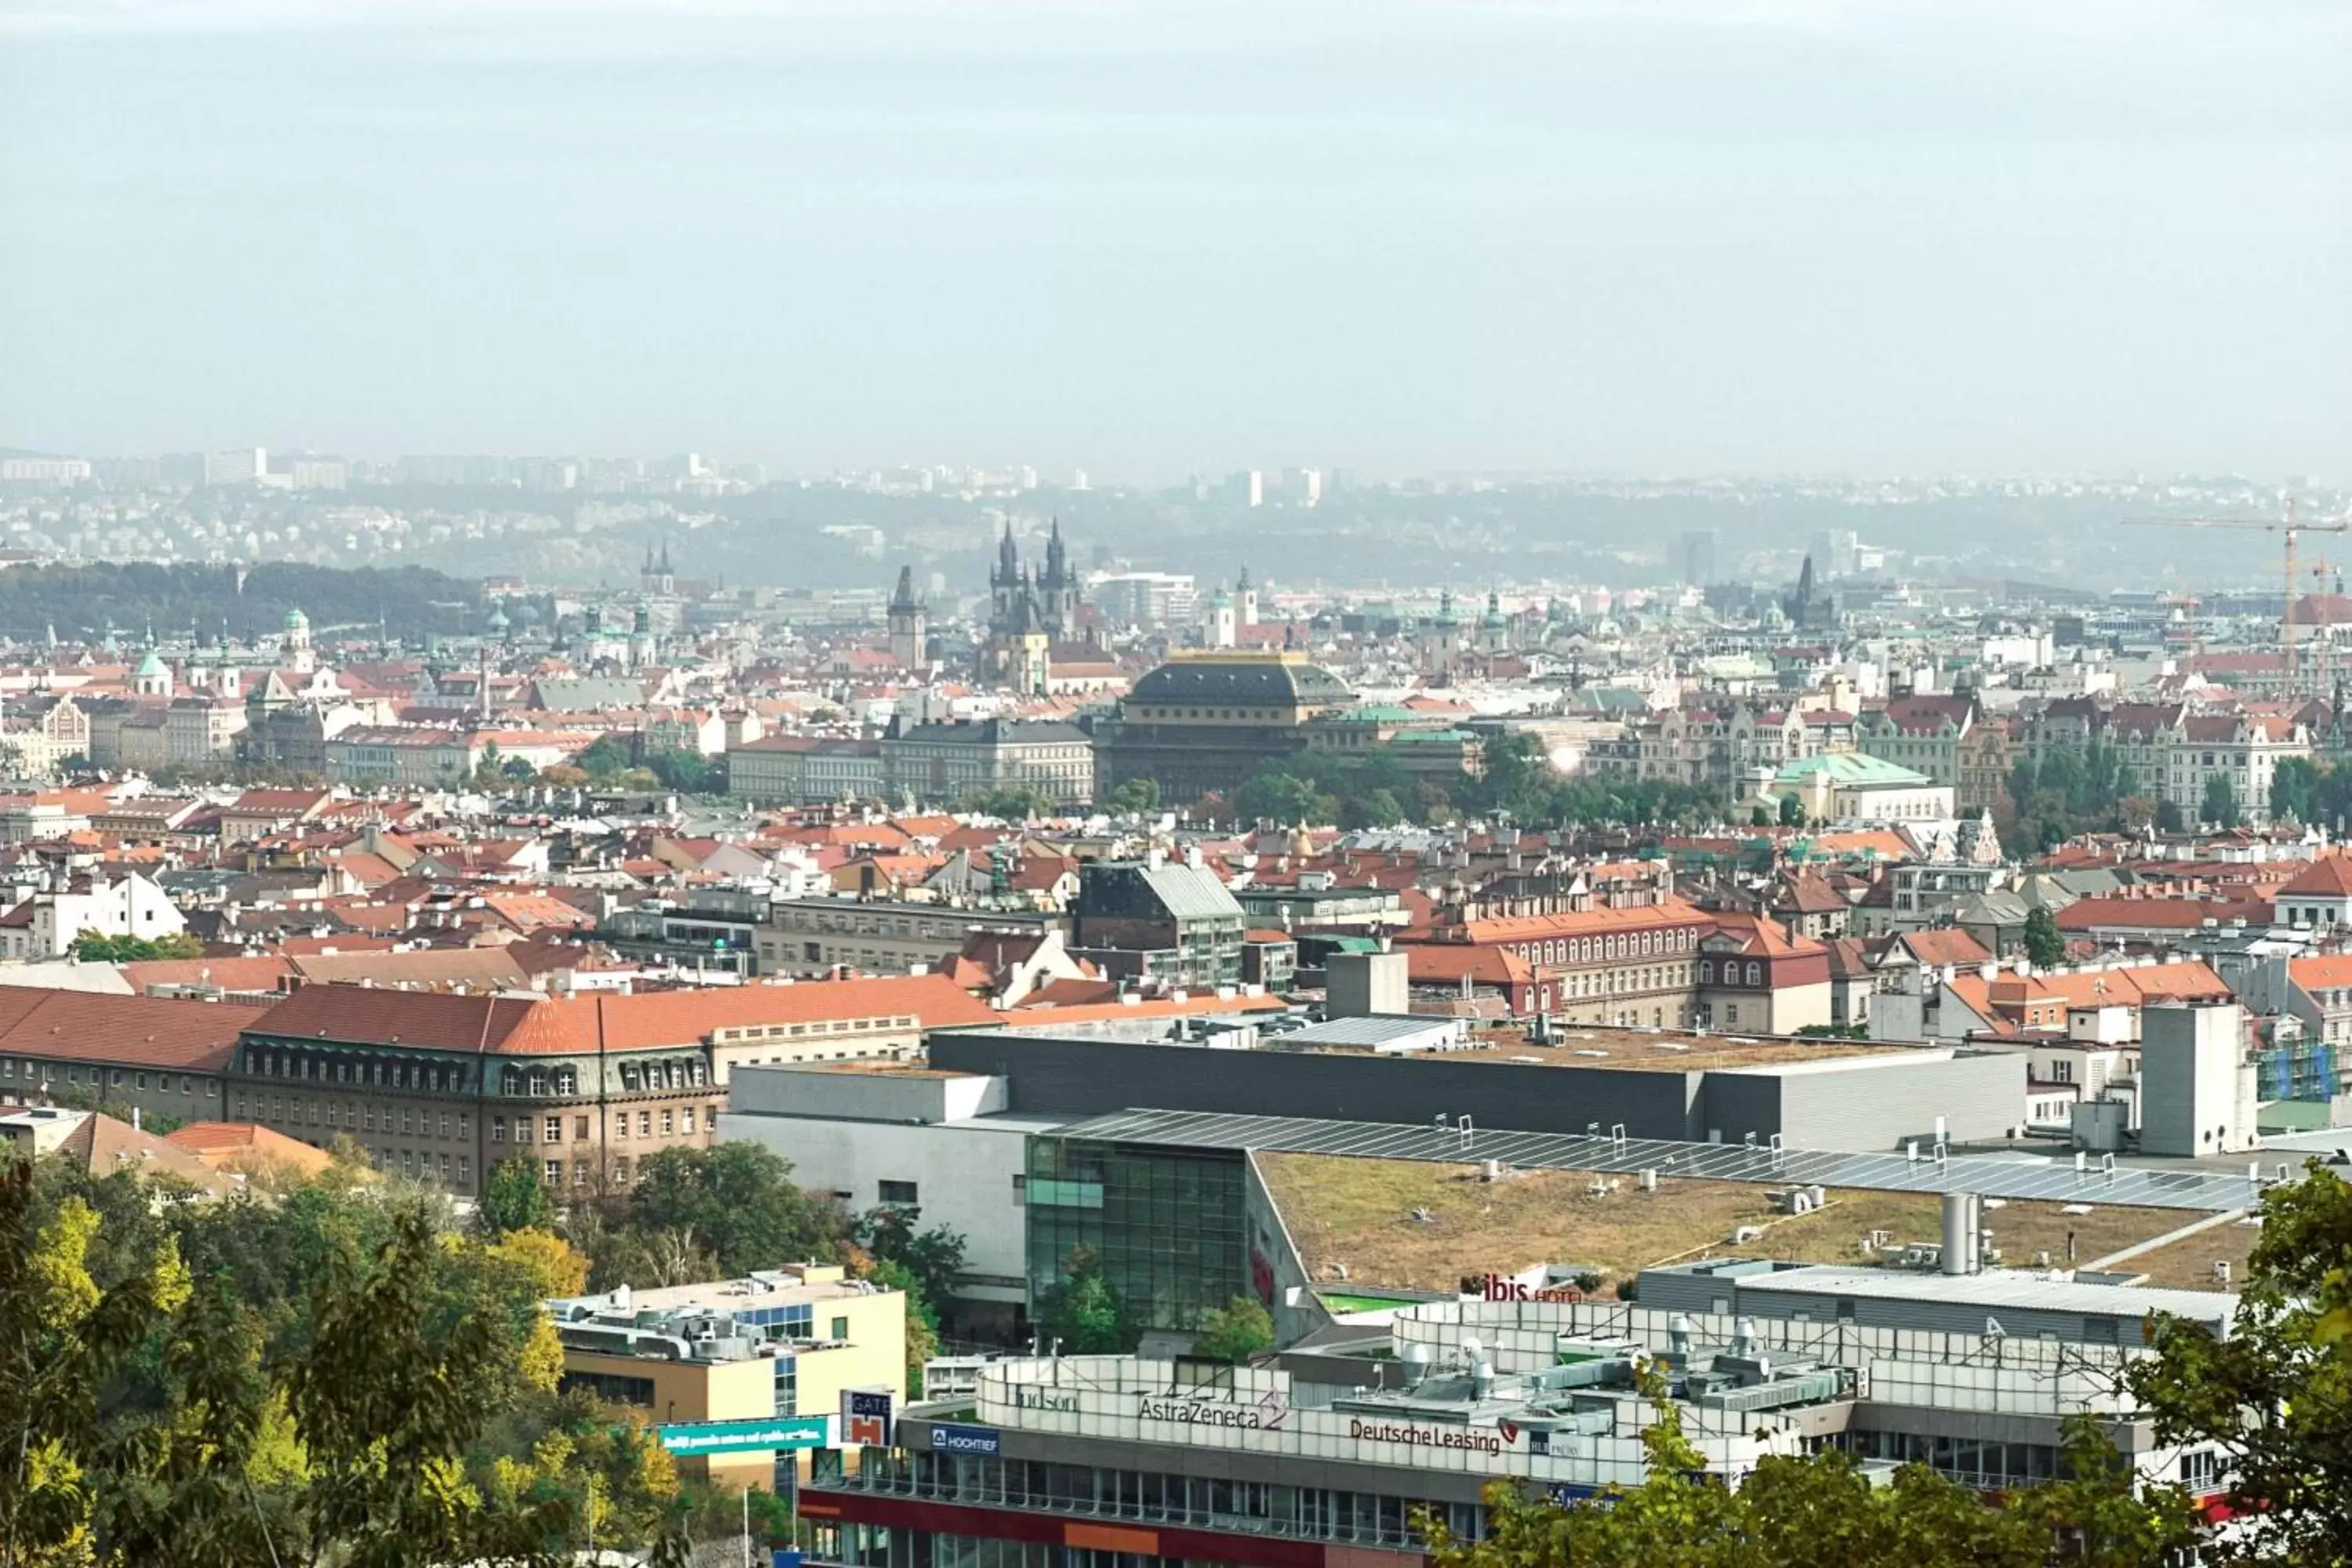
[(2289, 531)]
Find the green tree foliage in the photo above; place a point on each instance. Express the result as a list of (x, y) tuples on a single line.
[(1793, 812), (605, 759), (1370, 789), (736, 1201), (62, 1339), (2046, 945), (933, 1258), (924, 1264), (1014, 803), (321, 1381), (2219, 805), (410, 601), (514, 1198), (2064, 792), (688, 773), (2275, 1396), (1821, 1511), (1136, 797), (2304, 790), (1080, 1314), (95, 947), (1235, 1332)]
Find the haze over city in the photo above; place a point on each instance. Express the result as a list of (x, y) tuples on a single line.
[(1152, 240)]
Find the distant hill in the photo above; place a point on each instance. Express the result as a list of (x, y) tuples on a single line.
[(81, 602)]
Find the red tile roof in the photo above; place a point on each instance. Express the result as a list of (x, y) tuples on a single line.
[(134, 1031), (528, 1025)]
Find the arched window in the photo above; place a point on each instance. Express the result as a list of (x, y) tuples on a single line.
[(1755, 972), (1705, 972)]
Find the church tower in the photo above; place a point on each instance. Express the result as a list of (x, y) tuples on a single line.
[(909, 625), (1245, 599), (1005, 583), (294, 647)]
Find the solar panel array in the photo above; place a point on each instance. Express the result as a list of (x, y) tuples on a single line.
[(2050, 1179)]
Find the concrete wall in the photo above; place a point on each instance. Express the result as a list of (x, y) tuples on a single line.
[(1879, 1103), (862, 1096), (963, 1179), (1082, 1078), (1854, 1103), (1365, 984)]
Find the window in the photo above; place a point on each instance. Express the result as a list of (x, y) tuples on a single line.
[(621, 1125), (497, 1129), (522, 1129), (668, 1122), (787, 1385), (554, 1130), (645, 1123), (579, 1129), (465, 1170), (685, 1119), (554, 1173), (899, 1193), (841, 1329)]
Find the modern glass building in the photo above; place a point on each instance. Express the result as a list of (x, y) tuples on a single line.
[(1167, 1224)]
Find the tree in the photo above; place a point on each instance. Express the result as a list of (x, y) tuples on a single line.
[(739, 1201), (1235, 1332), (1276, 796), (2169, 818), (2294, 789), (1136, 797), (2044, 943), (605, 759), (1819, 1510), (934, 1257), (688, 773), (1013, 802), (922, 1318), (1758, 817), (514, 1198), (1793, 812), (2220, 802), (2275, 1394), (96, 947), (1079, 1314), (62, 1339)]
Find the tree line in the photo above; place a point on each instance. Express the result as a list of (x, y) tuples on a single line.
[(336, 1371), (1372, 789)]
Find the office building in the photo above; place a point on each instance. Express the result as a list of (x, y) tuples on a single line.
[(1338, 1452), (781, 1342)]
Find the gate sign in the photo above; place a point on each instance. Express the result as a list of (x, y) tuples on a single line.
[(747, 1436), (865, 1417)]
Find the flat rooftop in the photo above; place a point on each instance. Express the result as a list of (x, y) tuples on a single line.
[(2002, 1287), (1671, 1051), (2020, 1176), (1422, 1225), (763, 1287)]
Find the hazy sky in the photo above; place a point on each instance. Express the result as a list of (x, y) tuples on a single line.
[(1654, 235)]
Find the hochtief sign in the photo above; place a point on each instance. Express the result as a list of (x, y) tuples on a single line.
[(748, 1436)]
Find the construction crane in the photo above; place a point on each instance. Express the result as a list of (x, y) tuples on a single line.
[(2290, 530)]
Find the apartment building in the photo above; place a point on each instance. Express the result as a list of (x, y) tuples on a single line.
[(815, 936)]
